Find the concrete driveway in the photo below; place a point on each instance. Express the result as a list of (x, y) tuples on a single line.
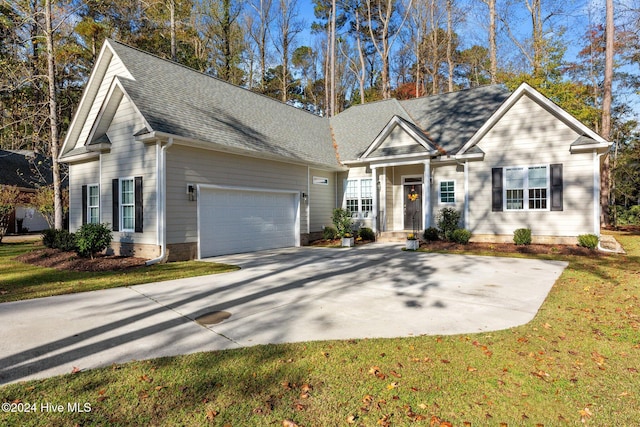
[(288, 295)]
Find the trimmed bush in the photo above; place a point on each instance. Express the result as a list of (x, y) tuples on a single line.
[(342, 220), (59, 239), (430, 234), (92, 238), (461, 236), (522, 236), (365, 233), (588, 241), (329, 233), (448, 221)]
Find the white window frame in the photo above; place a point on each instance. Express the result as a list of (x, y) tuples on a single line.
[(124, 205), (90, 206), (526, 188), (361, 213), (452, 181)]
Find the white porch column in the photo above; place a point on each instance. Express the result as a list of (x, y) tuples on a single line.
[(466, 194), (426, 194), (374, 190)]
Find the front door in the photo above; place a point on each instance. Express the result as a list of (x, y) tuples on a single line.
[(413, 206)]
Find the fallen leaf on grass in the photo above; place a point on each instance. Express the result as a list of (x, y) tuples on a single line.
[(471, 369), (289, 423), (392, 385), (351, 419), (75, 370), (211, 414), (146, 378), (585, 414)]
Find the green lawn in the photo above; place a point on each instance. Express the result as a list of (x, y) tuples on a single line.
[(19, 281), (576, 363)]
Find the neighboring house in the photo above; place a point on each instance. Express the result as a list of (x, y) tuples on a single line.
[(185, 165), (19, 168)]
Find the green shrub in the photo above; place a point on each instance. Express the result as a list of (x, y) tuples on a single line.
[(461, 236), (588, 241), (342, 221), (522, 236), (448, 221), (329, 233), (59, 239), (430, 234), (624, 216), (92, 238), (365, 233)]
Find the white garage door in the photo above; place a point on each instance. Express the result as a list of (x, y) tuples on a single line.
[(235, 221)]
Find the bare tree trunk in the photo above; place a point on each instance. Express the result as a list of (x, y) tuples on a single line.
[(53, 117), (450, 43), (332, 60), (606, 112), (493, 47), (535, 9), (172, 15)]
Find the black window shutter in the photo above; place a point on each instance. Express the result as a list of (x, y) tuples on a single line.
[(496, 189), (115, 190), (556, 187), (84, 205), (138, 197)]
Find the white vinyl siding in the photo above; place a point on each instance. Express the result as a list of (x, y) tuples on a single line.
[(195, 166), (529, 135), (127, 159), (322, 200), (80, 174)]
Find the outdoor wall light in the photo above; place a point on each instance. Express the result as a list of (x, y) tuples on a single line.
[(191, 192), (305, 197)]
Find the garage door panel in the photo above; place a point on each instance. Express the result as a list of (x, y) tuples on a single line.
[(236, 221)]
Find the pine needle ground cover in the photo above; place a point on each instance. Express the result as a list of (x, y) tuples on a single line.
[(576, 363)]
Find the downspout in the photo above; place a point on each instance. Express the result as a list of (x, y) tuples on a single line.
[(161, 203), (596, 192)]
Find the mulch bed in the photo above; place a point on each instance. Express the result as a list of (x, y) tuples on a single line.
[(512, 248), (60, 260), (494, 247)]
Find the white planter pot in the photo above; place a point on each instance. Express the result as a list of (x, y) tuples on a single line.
[(413, 245), (348, 242)]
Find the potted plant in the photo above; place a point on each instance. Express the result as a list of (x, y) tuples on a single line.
[(342, 221), (412, 242)]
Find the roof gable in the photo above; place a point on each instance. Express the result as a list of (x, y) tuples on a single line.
[(592, 139), (399, 138), (106, 67)]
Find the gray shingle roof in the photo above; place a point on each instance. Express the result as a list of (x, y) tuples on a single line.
[(451, 119), (355, 128), (177, 100)]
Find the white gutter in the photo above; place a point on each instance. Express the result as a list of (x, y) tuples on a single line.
[(161, 202)]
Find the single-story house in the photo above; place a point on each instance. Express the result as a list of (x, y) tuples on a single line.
[(26, 170), (184, 165)]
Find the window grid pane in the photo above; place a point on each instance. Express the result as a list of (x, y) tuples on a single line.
[(128, 220), (352, 206), (351, 191), (365, 189), (515, 199), (447, 192)]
